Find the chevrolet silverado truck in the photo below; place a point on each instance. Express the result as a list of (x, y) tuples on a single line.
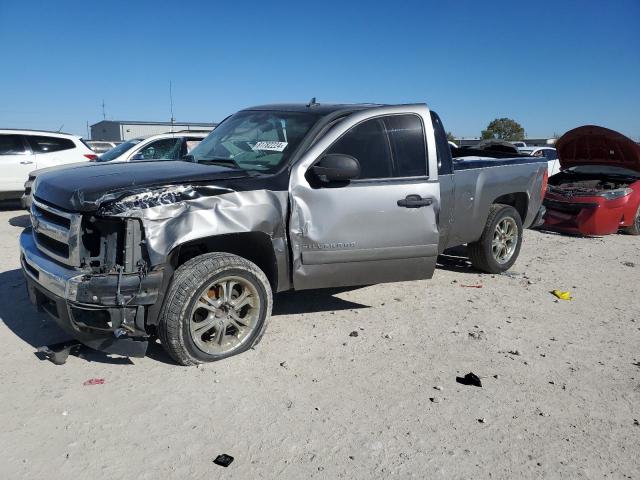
[(277, 197)]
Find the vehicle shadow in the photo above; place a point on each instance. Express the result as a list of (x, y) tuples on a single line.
[(22, 221), (456, 259), (312, 301), (36, 328)]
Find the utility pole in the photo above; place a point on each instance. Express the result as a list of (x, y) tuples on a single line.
[(104, 115), (171, 104)]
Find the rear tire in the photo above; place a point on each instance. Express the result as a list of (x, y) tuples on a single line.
[(635, 228), (217, 306), (499, 246)]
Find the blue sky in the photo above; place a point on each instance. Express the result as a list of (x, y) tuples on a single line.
[(551, 65)]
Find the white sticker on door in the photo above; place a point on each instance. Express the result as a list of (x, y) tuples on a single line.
[(270, 146)]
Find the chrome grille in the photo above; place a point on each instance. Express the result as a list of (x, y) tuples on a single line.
[(56, 233)]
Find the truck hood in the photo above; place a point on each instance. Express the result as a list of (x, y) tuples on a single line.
[(84, 188), (593, 145)]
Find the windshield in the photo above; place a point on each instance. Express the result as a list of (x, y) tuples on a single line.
[(115, 152), (260, 141)]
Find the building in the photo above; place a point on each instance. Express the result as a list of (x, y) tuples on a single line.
[(121, 130)]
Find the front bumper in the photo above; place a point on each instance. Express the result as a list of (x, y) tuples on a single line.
[(590, 216), (105, 312)]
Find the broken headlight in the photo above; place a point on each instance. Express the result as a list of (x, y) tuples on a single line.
[(617, 193)]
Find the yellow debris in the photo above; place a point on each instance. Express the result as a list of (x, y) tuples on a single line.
[(562, 295)]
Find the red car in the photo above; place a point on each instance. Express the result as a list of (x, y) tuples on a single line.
[(597, 191)]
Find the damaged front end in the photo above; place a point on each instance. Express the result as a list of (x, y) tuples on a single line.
[(101, 273), (92, 275)]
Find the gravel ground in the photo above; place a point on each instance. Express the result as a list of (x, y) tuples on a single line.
[(560, 395)]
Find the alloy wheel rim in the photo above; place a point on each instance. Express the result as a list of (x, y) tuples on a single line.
[(505, 240), (225, 315)]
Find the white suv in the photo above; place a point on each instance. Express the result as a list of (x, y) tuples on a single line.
[(22, 151), (164, 146)]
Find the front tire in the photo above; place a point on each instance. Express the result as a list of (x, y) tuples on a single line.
[(217, 306), (499, 246)]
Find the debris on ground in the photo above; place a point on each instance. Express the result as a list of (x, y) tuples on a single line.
[(471, 286), (628, 264), (58, 353), (636, 422), (470, 379), (353, 334), (223, 460), (514, 352), (477, 334), (482, 420), (434, 399), (438, 387), (94, 381), (562, 295), (283, 364)]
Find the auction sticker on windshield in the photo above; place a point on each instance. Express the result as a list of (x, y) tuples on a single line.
[(270, 146)]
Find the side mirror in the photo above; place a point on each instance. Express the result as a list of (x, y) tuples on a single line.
[(336, 167)]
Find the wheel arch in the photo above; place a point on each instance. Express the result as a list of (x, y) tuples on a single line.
[(517, 200), (257, 247)]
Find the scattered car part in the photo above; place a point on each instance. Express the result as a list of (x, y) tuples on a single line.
[(58, 353), (470, 379)]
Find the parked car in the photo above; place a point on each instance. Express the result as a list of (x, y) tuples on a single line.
[(519, 144), (22, 151), (164, 146), (277, 197), (100, 146), (598, 190), (549, 153)]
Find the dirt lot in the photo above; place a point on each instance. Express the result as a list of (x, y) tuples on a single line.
[(560, 395)]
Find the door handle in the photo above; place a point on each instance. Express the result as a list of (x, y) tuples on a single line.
[(415, 201), (26, 163)]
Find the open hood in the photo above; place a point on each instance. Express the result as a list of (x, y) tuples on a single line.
[(592, 145)]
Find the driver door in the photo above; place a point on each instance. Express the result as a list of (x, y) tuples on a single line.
[(364, 231)]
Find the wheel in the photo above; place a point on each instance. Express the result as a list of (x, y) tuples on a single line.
[(635, 228), (499, 245), (217, 306)]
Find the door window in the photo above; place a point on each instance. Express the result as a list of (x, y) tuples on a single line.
[(368, 144), (165, 149), (551, 154), (11, 145), (41, 144), (386, 147)]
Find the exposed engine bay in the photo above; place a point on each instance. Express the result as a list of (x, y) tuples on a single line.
[(587, 187)]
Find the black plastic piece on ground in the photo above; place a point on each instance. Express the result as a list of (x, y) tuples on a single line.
[(470, 379), (58, 353), (223, 460)]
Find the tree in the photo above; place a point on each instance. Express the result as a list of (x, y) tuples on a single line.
[(503, 129), (450, 137)]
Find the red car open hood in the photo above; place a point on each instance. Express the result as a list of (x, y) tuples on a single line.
[(592, 145)]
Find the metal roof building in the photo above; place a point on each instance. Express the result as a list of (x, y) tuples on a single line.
[(122, 130)]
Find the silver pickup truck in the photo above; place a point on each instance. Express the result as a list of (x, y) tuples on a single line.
[(277, 197)]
